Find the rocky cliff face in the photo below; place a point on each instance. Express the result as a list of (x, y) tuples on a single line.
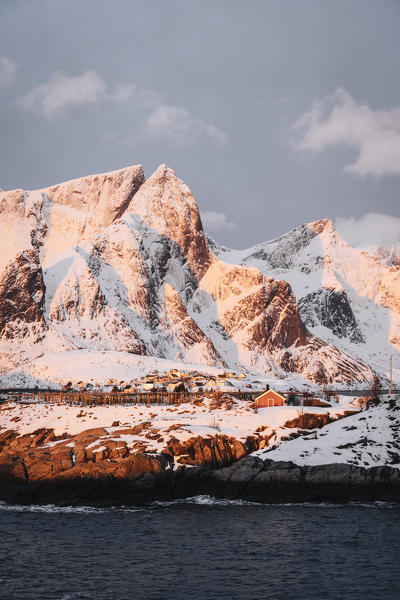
[(114, 262), (346, 296)]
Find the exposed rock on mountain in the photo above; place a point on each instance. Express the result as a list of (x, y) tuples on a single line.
[(346, 296), (165, 204), (22, 293), (114, 262), (331, 309)]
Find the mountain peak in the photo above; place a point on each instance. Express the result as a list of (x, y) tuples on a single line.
[(166, 204), (134, 171), (322, 225)]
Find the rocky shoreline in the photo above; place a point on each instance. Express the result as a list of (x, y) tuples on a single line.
[(126, 464), (147, 478)]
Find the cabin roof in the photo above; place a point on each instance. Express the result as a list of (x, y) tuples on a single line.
[(270, 393)]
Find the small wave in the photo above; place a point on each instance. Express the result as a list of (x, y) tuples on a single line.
[(48, 508), (375, 504), (52, 508), (205, 500), (201, 500)]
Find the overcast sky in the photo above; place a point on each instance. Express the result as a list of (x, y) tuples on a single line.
[(274, 113)]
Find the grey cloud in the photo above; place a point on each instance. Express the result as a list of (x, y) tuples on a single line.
[(174, 124), (178, 126), (7, 70), (64, 91)]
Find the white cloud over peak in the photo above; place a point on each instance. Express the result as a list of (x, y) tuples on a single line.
[(7, 70), (64, 91), (338, 120), (216, 221), (370, 230), (175, 124)]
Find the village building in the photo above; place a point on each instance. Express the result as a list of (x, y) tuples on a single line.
[(148, 386), (269, 398), (176, 387)]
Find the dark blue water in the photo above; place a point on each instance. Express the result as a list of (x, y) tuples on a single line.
[(201, 550)]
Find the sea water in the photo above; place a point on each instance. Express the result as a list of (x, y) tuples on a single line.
[(201, 549)]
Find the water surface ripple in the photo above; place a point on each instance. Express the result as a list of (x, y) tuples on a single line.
[(201, 549)]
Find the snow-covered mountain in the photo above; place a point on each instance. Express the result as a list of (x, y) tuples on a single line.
[(115, 262), (346, 296)]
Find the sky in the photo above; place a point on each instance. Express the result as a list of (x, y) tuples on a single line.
[(275, 113)]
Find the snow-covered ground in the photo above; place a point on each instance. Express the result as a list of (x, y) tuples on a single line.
[(235, 418), (367, 439)]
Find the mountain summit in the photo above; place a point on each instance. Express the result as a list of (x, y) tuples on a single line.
[(115, 262)]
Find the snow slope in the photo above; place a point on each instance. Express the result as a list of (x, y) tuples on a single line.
[(183, 421), (367, 439)]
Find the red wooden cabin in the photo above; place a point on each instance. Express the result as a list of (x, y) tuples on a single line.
[(269, 398)]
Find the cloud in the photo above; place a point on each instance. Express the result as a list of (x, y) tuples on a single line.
[(123, 92), (373, 229), (176, 125), (338, 120), (64, 91), (7, 70), (142, 96), (216, 221)]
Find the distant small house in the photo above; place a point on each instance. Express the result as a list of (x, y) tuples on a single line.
[(148, 386), (269, 398), (194, 389), (129, 388), (176, 387), (176, 373), (223, 382)]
